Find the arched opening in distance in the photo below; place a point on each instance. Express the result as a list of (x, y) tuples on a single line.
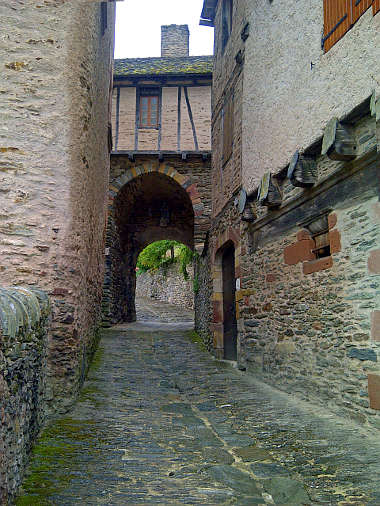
[(165, 275), (150, 207)]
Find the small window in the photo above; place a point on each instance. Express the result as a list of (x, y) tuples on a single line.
[(103, 17), (226, 22), (149, 108), (228, 128), (319, 230), (322, 245)]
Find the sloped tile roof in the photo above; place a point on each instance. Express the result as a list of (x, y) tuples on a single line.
[(164, 65)]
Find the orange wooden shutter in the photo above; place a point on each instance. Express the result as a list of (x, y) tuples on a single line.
[(337, 21), (358, 8), (375, 6)]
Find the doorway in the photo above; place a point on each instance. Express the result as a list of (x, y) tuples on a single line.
[(229, 304)]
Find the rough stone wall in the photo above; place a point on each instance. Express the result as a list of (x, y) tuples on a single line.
[(290, 102), (134, 218), (227, 82), (306, 325), (24, 322), (167, 285), (203, 297), (175, 40), (54, 84)]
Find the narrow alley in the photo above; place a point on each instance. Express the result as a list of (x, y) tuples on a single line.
[(160, 422)]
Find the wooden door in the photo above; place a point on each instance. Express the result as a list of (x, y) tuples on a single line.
[(229, 308)]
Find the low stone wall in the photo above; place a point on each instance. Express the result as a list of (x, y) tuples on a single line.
[(167, 285), (24, 321)]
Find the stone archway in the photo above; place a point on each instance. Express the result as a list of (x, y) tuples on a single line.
[(147, 203)]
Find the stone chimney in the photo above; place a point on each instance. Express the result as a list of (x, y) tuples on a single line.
[(174, 40)]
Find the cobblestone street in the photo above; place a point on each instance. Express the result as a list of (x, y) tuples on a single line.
[(160, 422)]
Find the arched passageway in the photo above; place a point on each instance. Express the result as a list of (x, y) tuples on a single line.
[(147, 207)]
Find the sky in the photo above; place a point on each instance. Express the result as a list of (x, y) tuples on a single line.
[(138, 26)]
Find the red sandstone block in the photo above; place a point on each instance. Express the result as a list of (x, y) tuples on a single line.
[(375, 325), (192, 191), (317, 265), (243, 250), (335, 245), (59, 291), (270, 278), (237, 272), (303, 235), (374, 391), (299, 251), (374, 261), (332, 219)]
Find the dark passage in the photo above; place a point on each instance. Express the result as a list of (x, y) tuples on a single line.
[(229, 308)]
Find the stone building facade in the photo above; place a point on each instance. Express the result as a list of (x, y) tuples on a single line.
[(160, 184), (56, 70), (295, 202)]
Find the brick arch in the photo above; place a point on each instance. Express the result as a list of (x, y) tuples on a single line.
[(163, 168), (228, 236)]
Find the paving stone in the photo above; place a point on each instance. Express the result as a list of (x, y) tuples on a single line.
[(160, 422), (236, 479), (287, 491)]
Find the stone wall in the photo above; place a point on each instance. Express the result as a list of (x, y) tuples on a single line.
[(54, 162), (167, 285), (24, 322), (228, 77), (308, 325), (175, 40), (203, 297), (137, 191)]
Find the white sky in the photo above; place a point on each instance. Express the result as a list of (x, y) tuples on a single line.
[(138, 26)]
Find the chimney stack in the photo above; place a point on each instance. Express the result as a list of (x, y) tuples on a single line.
[(174, 40)]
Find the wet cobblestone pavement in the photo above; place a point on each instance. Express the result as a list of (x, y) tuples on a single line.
[(160, 422)]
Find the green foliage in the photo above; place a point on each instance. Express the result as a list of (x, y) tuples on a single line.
[(155, 256)]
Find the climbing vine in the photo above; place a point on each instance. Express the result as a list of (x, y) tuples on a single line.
[(161, 254)]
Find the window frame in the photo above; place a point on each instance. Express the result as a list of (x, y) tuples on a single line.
[(227, 20), (103, 17), (149, 94), (228, 129)]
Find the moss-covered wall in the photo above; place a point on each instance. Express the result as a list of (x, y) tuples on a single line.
[(24, 321)]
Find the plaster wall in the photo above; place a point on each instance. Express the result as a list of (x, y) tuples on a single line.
[(127, 118), (54, 88), (287, 104), (169, 118), (148, 139)]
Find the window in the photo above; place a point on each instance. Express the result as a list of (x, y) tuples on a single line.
[(319, 230), (226, 22), (103, 17), (228, 128), (340, 16), (149, 108)]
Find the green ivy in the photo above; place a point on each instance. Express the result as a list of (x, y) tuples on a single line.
[(155, 257)]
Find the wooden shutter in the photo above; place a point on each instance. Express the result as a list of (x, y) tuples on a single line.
[(358, 7), (337, 21), (375, 6), (228, 129)]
